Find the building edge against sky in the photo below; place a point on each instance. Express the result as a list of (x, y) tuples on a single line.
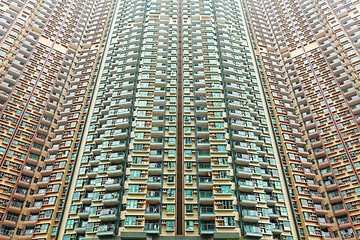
[(90, 119)]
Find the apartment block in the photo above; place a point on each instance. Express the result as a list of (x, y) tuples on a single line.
[(309, 53), (179, 119), (151, 169), (49, 61)]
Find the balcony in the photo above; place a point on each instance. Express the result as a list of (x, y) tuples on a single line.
[(20, 193), (123, 113), (204, 168), (6, 234), (267, 186), (207, 228), (240, 136), (330, 185), (117, 158), (92, 173), (15, 206), (270, 200), (207, 213), (155, 168), (112, 185), (153, 196), (118, 146), (87, 199), (202, 132), (252, 231), (242, 159), (114, 171), (240, 147), (154, 181), (152, 227), (273, 214), (316, 197), (35, 207), (106, 231), (152, 212), (205, 182), (43, 183), (248, 200), (203, 144), (324, 223), (246, 186), (156, 155), (10, 220), (84, 212), (276, 228), (157, 132), (111, 199), (90, 185), (107, 215), (244, 172), (80, 228), (206, 197), (250, 216), (204, 155)]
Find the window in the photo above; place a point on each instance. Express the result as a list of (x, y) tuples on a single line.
[(226, 189), (227, 204), (140, 123), (138, 147), (229, 221), (73, 209), (189, 225), (283, 211), (171, 141), (224, 174), (131, 203), (189, 208), (170, 225), (171, 153), (130, 220), (223, 161), (134, 188), (135, 174), (171, 129), (221, 148), (171, 193), (170, 209), (171, 179), (188, 193), (219, 124), (171, 165), (311, 230), (220, 136), (216, 94), (139, 135), (52, 200), (44, 227), (54, 230), (69, 224), (286, 225), (188, 179)]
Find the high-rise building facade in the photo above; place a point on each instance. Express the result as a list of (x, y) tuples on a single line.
[(49, 53), (178, 142), (308, 54), (197, 119)]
